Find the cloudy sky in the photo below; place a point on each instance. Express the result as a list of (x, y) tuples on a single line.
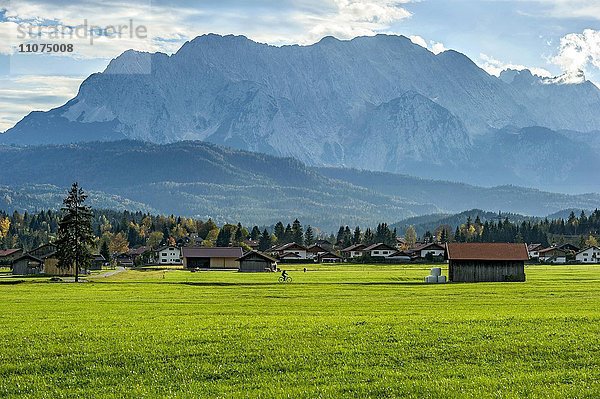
[(550, 37)]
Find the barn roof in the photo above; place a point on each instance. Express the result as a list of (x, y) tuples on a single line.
[(256, 253), (486, 251), (8, 252), (28, 256), (214, 252)]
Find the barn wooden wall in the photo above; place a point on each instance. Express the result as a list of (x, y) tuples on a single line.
[(482, 271)]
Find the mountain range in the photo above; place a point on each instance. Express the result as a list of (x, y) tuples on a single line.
[(377, 103), (206, 180)]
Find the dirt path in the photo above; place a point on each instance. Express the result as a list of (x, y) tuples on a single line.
[(110, 273)]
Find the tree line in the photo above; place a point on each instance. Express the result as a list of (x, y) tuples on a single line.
[(119, 231)]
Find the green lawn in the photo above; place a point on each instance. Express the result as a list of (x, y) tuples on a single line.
[(336, 331)]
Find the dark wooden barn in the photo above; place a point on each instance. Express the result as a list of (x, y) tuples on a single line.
[(255, 261), (486, 262), (27, 265)]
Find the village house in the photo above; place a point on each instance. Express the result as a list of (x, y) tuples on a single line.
[(141, 255), (291, 248), (401, 256), (193, 240), (589, 255), (486, 262), (569, 248), (254, 261), (290, 257), (313, 251), (124, 260), (169, 255), (211, 258), (534, 251), (379, 250), (431, 249), (329, 257), (401, 243), (253, 244), (353, 251), (324, 244), (553, 255)]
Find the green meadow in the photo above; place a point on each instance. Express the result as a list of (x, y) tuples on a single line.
[(336, 331)]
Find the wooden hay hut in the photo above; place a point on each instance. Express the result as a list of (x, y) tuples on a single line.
[(486, 262), (254, 261)]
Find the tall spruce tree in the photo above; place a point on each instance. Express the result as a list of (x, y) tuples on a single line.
[(75, 233), (309, 236), (255, 233), (265, 241), (279, 232), (104, 251), (297, 233)]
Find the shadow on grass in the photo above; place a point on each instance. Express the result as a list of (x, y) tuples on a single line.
[(231, 284)]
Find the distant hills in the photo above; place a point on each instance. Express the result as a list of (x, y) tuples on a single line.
[(376, 103), (206, 180)]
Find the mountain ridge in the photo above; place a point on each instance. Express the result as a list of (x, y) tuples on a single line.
[(379, 103)]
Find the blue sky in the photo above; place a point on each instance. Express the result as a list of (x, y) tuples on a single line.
[(550, 37)]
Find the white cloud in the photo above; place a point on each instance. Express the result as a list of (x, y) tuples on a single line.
[(433, 46), (303, 22), (572, 8), (495, 67), (418, 40), (578, 51), (346, 19), (19, 95)]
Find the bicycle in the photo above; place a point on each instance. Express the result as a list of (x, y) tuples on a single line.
[(285, 279)]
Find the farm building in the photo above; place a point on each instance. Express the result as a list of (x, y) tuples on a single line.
[(254, 261), (486, 262), (7, 256), (211, 258), (27, 265), (43, 250)]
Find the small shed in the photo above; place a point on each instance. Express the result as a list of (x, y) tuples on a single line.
[(486, 262), (254, 261), (27, 265), (97, 262)]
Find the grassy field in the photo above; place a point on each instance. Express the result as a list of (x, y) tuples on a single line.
[(336, 331)]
